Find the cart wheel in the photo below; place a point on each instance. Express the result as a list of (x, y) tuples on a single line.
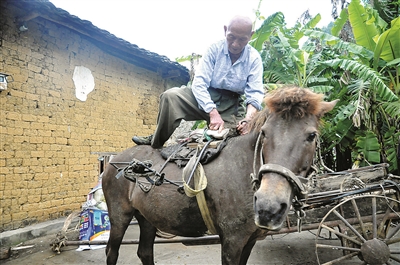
[(366, 229)]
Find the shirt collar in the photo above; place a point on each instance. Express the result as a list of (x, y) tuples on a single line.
[(243, 55)]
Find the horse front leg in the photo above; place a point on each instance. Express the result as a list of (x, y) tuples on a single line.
[(236, 248), (147, 235), (247, 251), (230, 252), (119, 224)]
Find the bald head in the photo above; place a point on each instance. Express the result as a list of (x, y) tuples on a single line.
[(242, 22), (238, 33)]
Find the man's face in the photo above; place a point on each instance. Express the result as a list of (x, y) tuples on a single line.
[(237, 38)]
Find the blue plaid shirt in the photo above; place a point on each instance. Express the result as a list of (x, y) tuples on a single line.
[(216, 70)]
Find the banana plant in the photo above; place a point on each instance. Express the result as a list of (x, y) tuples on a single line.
[(364, 75), (286, 61), (372, 63)]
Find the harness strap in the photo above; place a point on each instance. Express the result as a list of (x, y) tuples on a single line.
[(288, 174), (254, 178), (201, 201), (200, 184)]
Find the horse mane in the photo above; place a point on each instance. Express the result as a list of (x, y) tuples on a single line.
[(290, 102)]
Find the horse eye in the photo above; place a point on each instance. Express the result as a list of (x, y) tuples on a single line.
[(311, 136)]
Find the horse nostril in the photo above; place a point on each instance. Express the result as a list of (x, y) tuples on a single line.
[(283, 209)]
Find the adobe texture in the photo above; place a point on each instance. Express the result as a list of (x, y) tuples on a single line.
[(50, 139)]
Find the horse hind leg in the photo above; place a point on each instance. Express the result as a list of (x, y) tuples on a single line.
[(119, 224), (147, 235)]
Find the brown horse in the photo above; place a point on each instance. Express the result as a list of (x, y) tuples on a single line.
[(280, 146)]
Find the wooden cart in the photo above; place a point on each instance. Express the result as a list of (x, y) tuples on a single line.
[(356, 214)]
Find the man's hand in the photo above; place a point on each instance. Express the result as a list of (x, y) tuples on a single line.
[(242, 127), (216, 122)]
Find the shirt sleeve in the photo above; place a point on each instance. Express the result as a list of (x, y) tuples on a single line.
[(202, 79), (254, 90)]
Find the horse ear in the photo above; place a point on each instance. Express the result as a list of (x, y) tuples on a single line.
[(326, 107)]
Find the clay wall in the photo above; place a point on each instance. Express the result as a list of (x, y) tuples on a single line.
[(50, 139)]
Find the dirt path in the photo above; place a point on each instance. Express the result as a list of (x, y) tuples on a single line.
[(289, 249)]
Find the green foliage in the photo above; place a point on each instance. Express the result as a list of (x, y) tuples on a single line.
[(363, 28), (339, 23), (262, 34), (391, 138), (187, 58), (388, 45), (369, 146), (364, 75), (392, 109)]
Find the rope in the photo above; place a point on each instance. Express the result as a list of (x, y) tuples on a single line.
[(255, 182)]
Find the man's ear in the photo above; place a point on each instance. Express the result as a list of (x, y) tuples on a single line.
[(225, 29)]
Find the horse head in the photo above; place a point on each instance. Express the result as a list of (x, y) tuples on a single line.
[(288, 129)]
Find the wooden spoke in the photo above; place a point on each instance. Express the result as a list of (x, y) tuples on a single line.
[(337, 247), (374, 230), (368, 229), (392, 233), (356, 210), (337, 233), (352, 228), (392, 241), (395, 258), (338, 260), (385, 219)]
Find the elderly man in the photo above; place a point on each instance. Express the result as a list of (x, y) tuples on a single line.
[(227, 88)]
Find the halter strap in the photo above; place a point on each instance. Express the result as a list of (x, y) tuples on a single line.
[(296, 181), (254, 178)]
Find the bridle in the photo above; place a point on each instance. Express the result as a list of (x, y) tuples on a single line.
[(297, 182)]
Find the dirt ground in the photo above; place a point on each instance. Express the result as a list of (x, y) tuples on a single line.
[(284, 249)]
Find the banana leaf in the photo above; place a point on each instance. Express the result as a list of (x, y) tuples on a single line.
[(392, 109), (365, 73), (388, 46), (321, 89), (338, 44), (391, 138), (339, 22), (363, 31), (264, 31), (369, 146), (299, 33)]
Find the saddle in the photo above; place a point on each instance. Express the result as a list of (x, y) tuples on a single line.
[(181, 153)]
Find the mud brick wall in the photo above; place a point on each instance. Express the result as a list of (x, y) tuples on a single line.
[(50, 140)]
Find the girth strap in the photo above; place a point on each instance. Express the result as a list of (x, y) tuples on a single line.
[(200, 183)]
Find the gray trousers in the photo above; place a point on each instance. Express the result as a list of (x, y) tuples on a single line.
[(179, 103)]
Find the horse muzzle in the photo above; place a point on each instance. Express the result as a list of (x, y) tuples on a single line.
[(272, 201)]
